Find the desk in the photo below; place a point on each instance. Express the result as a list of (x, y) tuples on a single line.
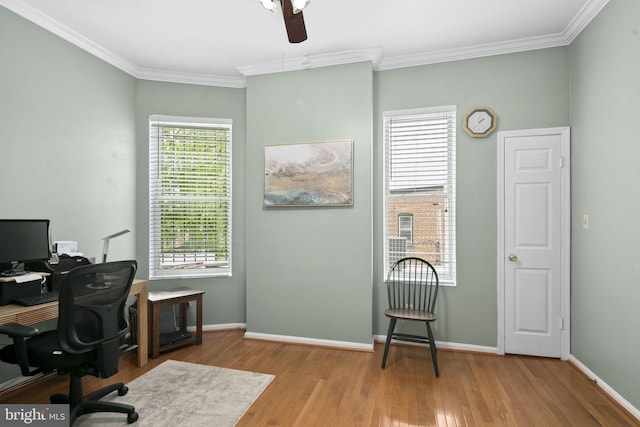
[(43, 312)]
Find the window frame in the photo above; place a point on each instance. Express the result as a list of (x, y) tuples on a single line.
[(409, 230), (156, 198), (447, 269)]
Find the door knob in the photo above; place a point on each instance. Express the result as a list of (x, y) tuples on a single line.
[(513, 257)]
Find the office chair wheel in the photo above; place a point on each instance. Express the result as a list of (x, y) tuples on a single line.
[(124, 390), (132, 418)]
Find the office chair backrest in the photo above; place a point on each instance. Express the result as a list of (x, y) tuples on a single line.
[(412, 283), (92, 311)]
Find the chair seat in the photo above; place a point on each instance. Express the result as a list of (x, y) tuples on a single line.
[(410, 314), (45, 352)]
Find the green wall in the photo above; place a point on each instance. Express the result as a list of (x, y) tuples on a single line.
[(605, 274), (526, 90), (224, 300), (67, 141), (67, 123), (309, 270)]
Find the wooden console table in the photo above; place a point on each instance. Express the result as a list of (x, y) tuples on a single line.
[(181, 296), (43, 312)]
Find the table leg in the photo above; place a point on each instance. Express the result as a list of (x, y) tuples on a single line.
[(143, 331), (154, 314), (183, 315), (199, 319)]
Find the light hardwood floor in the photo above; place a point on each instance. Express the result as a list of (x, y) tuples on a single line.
[(328, 387)]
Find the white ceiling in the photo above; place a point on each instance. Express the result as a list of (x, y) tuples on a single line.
[(220, 42)]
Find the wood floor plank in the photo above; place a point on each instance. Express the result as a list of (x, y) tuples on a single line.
[(317, 386)]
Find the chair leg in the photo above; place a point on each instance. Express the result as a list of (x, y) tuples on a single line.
[(80, 405), (392, 326), (432, 347), (93, 406), (99, 394)]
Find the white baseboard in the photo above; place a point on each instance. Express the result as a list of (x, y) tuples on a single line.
[(223, 326), (339, 344), (606, 388), (14, 382), (347, 345), (360, 346), (220, 327), (448, 345), (466, 347)]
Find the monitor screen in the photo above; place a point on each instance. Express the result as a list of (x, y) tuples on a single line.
[(23, 240)]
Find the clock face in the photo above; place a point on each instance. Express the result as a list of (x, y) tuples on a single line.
[(480, 122)]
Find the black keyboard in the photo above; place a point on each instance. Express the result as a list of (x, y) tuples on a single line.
[(38, 299)]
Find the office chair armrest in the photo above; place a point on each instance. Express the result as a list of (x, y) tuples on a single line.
[(19, 332)]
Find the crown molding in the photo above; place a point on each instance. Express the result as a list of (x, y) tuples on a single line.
[(313, 61), (471, 52), (375, 55), (26, 11), (565, 38), (190, 78), (583, 18)]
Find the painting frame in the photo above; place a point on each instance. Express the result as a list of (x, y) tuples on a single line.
[(308, 174)]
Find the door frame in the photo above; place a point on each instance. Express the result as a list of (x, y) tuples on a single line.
[(565, 262)]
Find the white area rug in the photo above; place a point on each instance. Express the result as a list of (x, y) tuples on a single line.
[(186, 394)]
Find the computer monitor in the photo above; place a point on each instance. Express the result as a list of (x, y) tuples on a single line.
[(22, 240)]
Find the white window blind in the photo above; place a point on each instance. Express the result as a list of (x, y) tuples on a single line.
[(419, 181), (189, 197)]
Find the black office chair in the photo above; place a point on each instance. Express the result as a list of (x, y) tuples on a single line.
[(412, 288), (91, 325)]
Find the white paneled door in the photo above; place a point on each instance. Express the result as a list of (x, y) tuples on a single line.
[(534, 222)]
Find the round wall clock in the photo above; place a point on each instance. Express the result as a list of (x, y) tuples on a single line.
[(479, 122)]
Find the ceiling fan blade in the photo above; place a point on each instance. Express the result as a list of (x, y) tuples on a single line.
[(294, 23)]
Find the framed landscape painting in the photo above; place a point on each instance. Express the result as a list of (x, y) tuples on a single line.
[(309, 174)]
